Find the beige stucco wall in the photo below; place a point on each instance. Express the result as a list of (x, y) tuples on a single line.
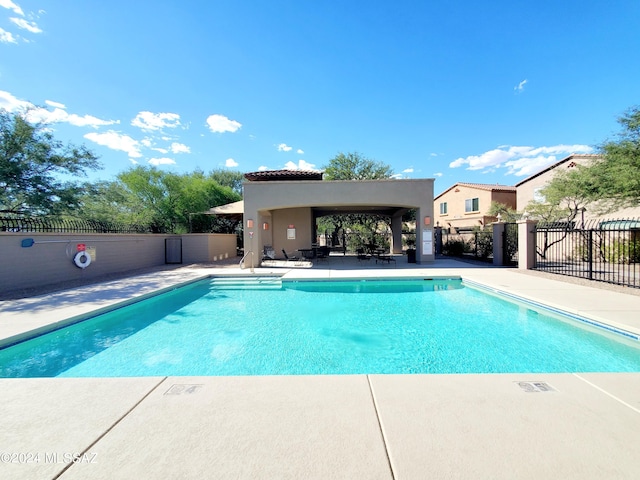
[(50, 259), (208, 247), (284, 203), (526, 191), (456, 216), (302, 221)]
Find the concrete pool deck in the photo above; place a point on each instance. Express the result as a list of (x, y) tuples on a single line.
[(494, 426)]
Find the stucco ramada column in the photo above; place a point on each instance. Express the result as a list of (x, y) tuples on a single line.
[(396, 233)]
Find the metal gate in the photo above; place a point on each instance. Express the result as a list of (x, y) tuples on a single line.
[(604, 251), (510, 244)]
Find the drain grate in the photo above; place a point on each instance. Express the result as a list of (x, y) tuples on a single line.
[(535, 387), (183, 389)]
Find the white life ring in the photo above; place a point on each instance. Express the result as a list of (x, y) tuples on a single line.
[(82, 259)]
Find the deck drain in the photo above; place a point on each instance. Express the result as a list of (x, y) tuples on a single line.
[(535, 387), (183, 389)]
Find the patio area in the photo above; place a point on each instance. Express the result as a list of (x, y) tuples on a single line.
[(353, 426)]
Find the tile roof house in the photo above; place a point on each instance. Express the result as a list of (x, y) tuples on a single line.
[(464, 206), (530, 188)]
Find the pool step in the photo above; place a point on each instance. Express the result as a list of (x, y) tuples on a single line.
[(248, 283)]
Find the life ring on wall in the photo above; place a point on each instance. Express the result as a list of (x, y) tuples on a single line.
[(82, 259)]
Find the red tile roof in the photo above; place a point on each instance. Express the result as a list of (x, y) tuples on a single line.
[(272, 175)]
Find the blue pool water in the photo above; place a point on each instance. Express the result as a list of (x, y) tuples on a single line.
[(264, 327)]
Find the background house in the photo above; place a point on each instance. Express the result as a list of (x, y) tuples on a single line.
[(530, 188), (464, 206)]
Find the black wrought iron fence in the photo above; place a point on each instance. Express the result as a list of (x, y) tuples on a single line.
[(477, 245), (63, 225), (510, 244), (350, 242), (601, 250)]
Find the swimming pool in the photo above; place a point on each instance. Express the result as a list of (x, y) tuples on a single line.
[(266, 326)]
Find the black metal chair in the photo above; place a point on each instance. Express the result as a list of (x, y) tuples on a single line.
[(287, 257)]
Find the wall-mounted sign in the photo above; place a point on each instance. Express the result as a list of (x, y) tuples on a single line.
[(427, 242), (291, 233)]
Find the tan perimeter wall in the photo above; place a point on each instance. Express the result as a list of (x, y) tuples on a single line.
[(50, 259)]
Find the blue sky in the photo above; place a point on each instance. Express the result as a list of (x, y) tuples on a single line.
[(461, 91)]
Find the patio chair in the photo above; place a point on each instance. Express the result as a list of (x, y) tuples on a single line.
[(386, 258), (269, 253), (287, 257), (322, 253)]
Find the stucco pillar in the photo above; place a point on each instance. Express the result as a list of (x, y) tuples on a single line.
[(527, 244), (396, 234), (498, 243)]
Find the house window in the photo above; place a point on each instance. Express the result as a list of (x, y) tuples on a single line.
[(472, 205), (443, 208)]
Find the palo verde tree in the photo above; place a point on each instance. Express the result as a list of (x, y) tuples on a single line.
[(163, 201), (614, 179), (610, 182), (354, 166), (38, 174), (228, 178)]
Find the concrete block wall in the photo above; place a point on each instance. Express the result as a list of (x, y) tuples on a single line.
[(50, 259)]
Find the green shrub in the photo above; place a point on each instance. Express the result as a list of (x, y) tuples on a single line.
[(456, 248)]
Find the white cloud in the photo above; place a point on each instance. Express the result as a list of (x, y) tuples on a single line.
[(529, 165), (519, 161), (300, 151), (283, 147), (433, 154), (7, 37), (408, 170), (230, 162), (116, 141), (156, 121), (26, 25), (162, 161), (520, 87), (438, 174), (262, 168), (146, 142), (58, 115), (164, 151), (179, 148), (221, 124), (88, 121), (51, 103), (301, 165), (42, 115), (397, 176), (11, 103), (11, 6)]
